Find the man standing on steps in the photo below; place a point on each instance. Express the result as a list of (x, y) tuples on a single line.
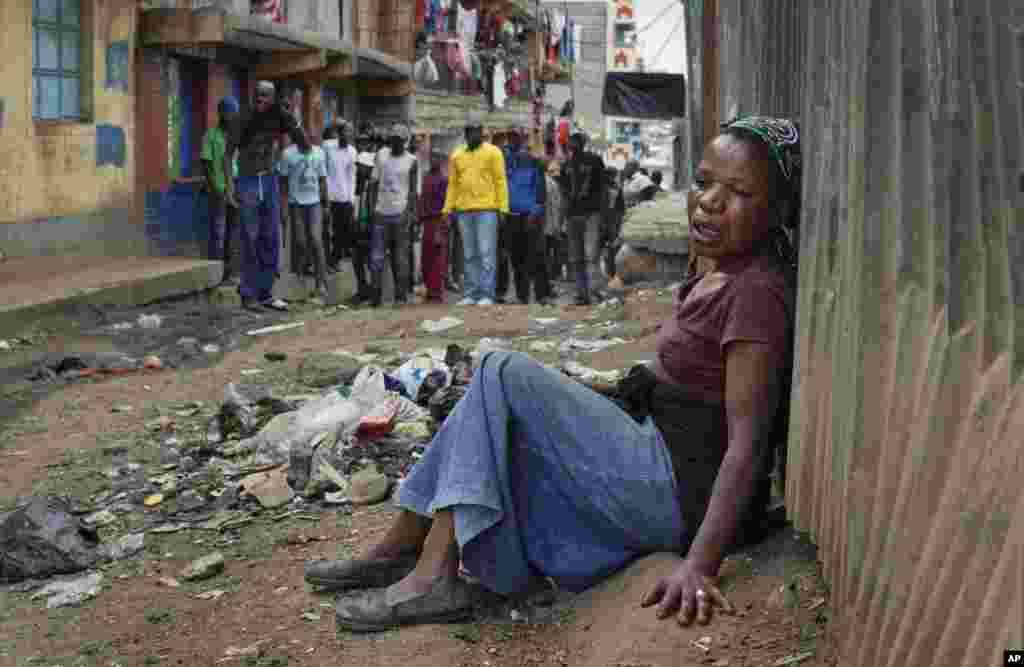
[(305, 180), (395, 181), (586, 198), (477, 195), (223, 218), (256, 193), (341, 190), (366, 155)]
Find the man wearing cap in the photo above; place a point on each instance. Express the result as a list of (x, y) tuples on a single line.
[(523, 231), (435, 227), (395, 181), (586, 198), (256, 192), (341, 189), (222, 217), (477, 195)]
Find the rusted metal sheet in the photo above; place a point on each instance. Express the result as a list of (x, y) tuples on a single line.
[(906, 451)]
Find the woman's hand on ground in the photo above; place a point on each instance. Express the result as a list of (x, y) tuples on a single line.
[(686, 592)]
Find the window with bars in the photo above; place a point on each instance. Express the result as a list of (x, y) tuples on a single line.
[(56, 60)]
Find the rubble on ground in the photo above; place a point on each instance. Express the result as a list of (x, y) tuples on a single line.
[(347, 442)]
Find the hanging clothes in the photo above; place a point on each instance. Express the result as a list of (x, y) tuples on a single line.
[(577, 42), (500, 95), (468, 26)]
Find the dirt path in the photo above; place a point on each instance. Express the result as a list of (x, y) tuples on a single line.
[(267, 608)]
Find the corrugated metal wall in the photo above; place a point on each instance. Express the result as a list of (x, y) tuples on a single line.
[(905, 454)]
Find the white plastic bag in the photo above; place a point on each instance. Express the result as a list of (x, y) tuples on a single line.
[(413, 372)]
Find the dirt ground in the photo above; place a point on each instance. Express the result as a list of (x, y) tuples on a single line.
[(268, 616)]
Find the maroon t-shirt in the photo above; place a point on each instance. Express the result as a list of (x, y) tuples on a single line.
[(754, 304)]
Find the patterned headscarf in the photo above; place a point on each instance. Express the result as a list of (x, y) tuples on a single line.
[(782, 136)]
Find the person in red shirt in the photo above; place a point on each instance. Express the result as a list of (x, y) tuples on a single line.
[(435, 227)]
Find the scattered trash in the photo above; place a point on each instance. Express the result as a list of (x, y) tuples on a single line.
[(153, 500), (441, 325), (101, 518), (211, 595), (310, 616), (120, 408), (169, 528), (337, 498), (416, 430), (251, 371), (68, 592), (277, 328), (379, 421), (415, 372), (204, 568), (270, 488), (150, 321), (253, 650), (169, 582), (152, 363), (793, 659), (573, 345), (211, 349), (327, 369), (331, 412), (369, 486), (5, 346), (543, 346), (704, 643), (127, 546), (42, 538), (122, 326)]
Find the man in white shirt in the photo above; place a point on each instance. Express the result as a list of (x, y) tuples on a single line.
[(395, 180), (341, 189)]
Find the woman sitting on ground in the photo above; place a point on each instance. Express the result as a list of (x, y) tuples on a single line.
[(534, 474)]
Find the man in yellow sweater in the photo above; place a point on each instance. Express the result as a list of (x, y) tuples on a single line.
[(477, 196)]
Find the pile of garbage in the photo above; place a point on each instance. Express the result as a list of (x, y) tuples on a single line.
[(256, 453)]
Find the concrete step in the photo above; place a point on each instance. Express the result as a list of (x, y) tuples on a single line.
[(35, 289)]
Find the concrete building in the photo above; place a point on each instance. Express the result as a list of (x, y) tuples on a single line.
[(585, 82), (105, 104)]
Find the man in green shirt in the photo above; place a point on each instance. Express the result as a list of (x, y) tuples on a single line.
[(223, 217)]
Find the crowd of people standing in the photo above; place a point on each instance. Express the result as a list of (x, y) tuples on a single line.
[(491, 218)]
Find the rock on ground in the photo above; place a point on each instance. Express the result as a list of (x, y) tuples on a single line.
[(204, 568), (369, 486), (71, 591)]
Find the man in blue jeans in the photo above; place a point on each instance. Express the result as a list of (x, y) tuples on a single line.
[(256, 193), (477, 195)]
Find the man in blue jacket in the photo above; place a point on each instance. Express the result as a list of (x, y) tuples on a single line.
[(523, 230)]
